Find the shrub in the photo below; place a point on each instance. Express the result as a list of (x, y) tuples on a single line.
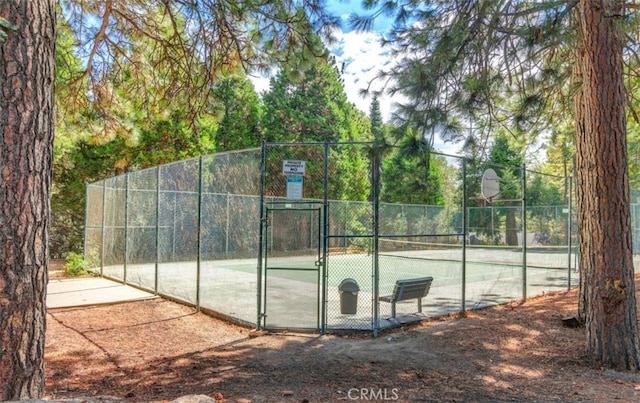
[(75, 265)]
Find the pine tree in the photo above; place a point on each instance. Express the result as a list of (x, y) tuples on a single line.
[(506, 64)]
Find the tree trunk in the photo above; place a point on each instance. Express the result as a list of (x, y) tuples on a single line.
[(603, 190), (511, 231), (27, 63)]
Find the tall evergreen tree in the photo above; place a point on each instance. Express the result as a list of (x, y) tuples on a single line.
[(221, 36), (377, 123), (239, 112), (27, 75), (306, 103), (190, 44), (307, 106), (71, 124), (508, 164), (460, 57), (409, 174)]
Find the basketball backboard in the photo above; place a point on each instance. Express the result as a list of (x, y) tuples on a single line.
[(490, 186)]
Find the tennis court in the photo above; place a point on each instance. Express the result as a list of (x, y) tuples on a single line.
[(234, 235), (292, 290)]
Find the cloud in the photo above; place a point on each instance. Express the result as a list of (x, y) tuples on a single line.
[(361, 57), (260, 83)]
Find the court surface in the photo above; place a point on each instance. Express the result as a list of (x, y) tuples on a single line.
[(86, 291), (292, 286)]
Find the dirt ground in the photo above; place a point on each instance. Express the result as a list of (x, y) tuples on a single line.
[(156, 350)]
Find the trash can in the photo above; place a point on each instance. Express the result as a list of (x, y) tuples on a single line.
[(348, 289)]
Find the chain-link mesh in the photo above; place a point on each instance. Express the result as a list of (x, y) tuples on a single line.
[(113, 252), (178, 229), (635, 224), (292, 274), (201, 231), (551, 233), (419, 238), (349, 261), (229, 226), (349, 257), (142, 231), (94, 216)]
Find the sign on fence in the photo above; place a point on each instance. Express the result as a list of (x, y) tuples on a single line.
[(294, 187), (293, 167)]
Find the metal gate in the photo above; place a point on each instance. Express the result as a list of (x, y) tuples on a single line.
[(293, 265)]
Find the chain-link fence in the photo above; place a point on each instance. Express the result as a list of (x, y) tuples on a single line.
[(316, 236)]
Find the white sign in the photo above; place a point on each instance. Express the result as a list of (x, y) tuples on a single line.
[(294, 187), (293, 167)]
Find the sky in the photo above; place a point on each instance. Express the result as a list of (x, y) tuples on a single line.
[(362, 55), (363, 58)]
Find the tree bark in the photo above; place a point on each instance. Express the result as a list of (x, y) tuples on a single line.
[(27, 73), (511, 230), (603, 189)]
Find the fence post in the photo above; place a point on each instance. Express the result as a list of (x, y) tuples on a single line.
[(263, 178), (199, 236), (376, 240), (465, 229), (155, 279), (524, 231), (86, 221), (126, 225), (104, 223), (325, 242), (228, 227)]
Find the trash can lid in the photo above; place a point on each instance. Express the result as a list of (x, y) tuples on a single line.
[(349, 285)]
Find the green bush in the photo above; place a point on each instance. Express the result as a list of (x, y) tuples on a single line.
[(75, 265)]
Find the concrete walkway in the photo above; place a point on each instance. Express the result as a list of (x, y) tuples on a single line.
[(85, 291)]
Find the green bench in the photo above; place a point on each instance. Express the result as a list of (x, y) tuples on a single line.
[(407, 289)]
